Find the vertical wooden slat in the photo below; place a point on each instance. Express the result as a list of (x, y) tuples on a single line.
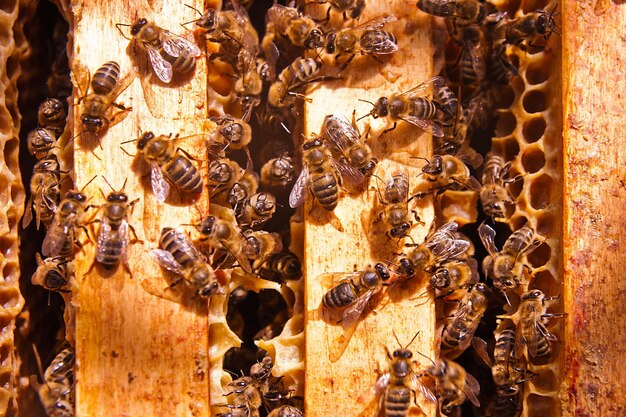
[(595, 188), (137, 353)]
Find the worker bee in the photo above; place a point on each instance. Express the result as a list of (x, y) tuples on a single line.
[(463, 12), (260, 246), (395, 201), (60, 237), (113, 237), (531, 328), (319, 173), (494, 197), (350, 296), (506, 368), (473, 58), (413, 108), (506, 267), (354, 157), (281, 267), (45, 192), (460, 328), (504, 406), (54, 273), (231, 134), (178, 255), (451, 172), (286, 411), (392, 390), (302, 71), (51, 115), (165, 162), (278, 173), (243, 188), (520, 32), (365, 39), (256, 210), (453, 385), (244, 391), (223, 174), (220, 234), (439, 246), (288, 23), (168, 53), (96, 115), (56, 393), (454, 275), (40, 142), (500, 68), (446, 97)]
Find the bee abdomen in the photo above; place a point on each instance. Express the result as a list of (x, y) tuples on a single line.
[(183, 63), (397, 401), (423, 108), (544, 349), (326, 190), (168, 243), (519, 240), (110, 253), (106, 78), (340, 296), (185, 175)]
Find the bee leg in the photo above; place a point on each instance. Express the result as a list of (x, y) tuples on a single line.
[(127, 268), (188, 155), (395, 124), (136, 240), (91, 267), (348, 61), (417, 218)]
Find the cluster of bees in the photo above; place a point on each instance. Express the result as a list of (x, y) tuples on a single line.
[(270, 77)]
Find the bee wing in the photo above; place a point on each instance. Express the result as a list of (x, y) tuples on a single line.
[(348, 172), (487, 236), (238, 254), (377, 22), (378, 45), (343, 134), (175, 45), (480, 347), (420, 89), (103, 235), (166, 260), (471, 389), (28, 214), (472, 184), (123, 235), (160, 186), (271, 56), (161, 67), (477, 58), (55, 238), (373, 396), (332, 279), (473, 159), (428, 126), (415, 384), (354, 312), (296, 197)]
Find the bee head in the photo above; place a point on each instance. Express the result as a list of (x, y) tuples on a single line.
[(76, 196), (315, 39), (380, 108), (400, 230), (117, 197), (532, 295), (206, 225), (145, 138), (434, 167), (545, 24), (330, 43), (382, 271), (137, 26), (208, 20)]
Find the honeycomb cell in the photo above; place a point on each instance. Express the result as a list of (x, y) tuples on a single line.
[(533, 159), (533, 129), (538, 72), (506, 123), (4, 185), (541, 191), (546, 383), (539, 405), (511, 149), (534, 101), (540, 256), (515, 187), (9, 298), (518, 222), (545, 224), (506, 98), (546, 282)]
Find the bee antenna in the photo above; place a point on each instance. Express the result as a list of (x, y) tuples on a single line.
[(88, 182), (109, 184), (366, 101), (396, 337), (39, 368), (429, 359), (193, 8), (129, 141), (412, 340), (117, 25)]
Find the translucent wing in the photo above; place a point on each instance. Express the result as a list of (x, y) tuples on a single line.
[(473, 159), (428, 126), (373, 397), (372, 42), (185, 245), (160, 186), (28, 214), (419, 90), (238, 254), (161, 67), (296, 197), (123, 236), (487, 236), (354, 312), (166, 260), (415, 384), (473, 184), (348, 172), (377, 22), (480, 346), (340, 132), (103, 235), (176, 45), (332, 279), (56, 236), (339, 345), (471, 389)]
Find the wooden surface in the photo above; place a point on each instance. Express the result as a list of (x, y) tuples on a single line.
[(334, 388), (594, 60), (137, 353)]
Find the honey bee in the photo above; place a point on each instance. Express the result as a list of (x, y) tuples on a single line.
[(51, 115), (451, 172), (231, 134), (506, 267), (40, 142), (453, 385), (165, 162), (256, 210), (454, 275), (168, 53), (413, 108), (354, 157), (245, 392), (56, 393), (283, 92), (507, 370), (288, 23), (45, 192), (53, 274), (504, 406), (531, 328), (494, 197), (260, 246), (446, 97), (500, 68), (286, 411), (223, 174), (113, 237), (319, 173), (281, 267), (439, 246), (473, 59), (365, 39), (178, 255), (348, 8), (521, 31), (243, 188), (460, 328), (395, 201), (350, 295), (96, 115), (392, 390), (463, 12), (60, 237), (278, 173), (220, 234)]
